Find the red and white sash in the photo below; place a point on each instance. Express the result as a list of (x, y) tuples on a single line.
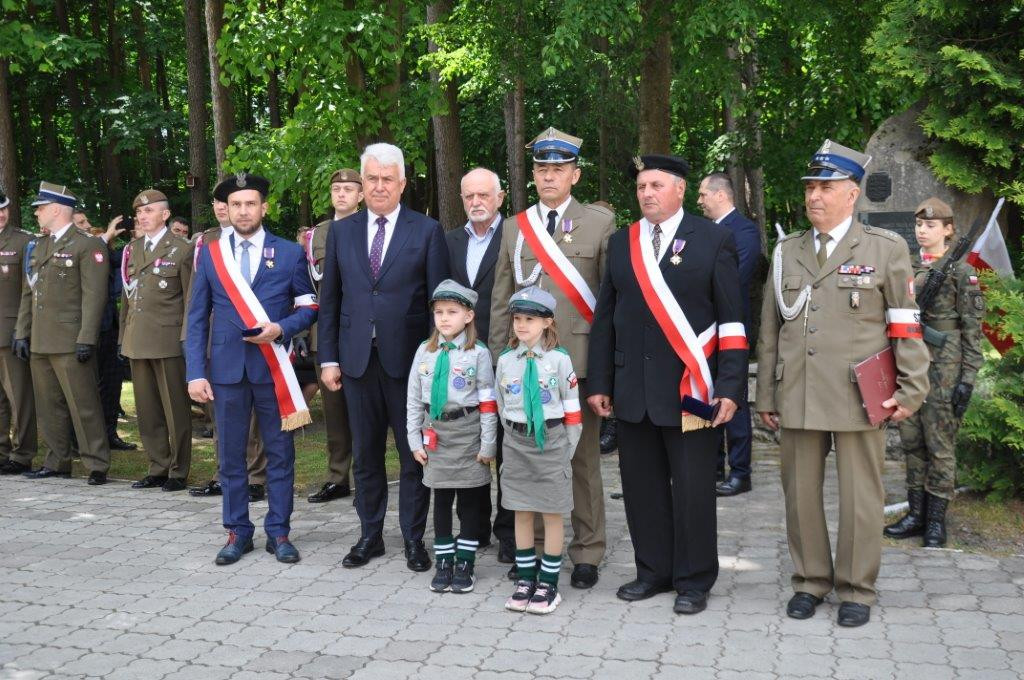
[(692, 349), (556, 264), (294, 412)]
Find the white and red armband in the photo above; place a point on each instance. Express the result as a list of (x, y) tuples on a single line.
[(903, 323)]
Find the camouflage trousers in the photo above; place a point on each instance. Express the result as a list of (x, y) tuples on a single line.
[(929, 436)]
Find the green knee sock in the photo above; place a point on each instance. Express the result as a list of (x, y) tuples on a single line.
[(550, 565), (444, 547), (466, 550), (526, 564)]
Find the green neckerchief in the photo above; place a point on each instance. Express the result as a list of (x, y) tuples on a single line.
[(439, 386), (531, 401)]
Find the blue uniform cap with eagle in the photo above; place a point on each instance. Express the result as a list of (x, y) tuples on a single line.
[(54, 193), (834, 162), (555, 146)]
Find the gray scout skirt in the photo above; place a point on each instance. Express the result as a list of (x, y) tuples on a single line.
[(452, 465), (536, 481)]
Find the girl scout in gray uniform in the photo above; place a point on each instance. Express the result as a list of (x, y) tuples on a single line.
[(538, 402), (452, 426)]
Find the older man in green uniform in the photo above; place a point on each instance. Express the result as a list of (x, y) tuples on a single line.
[(560, 245), (837, 294), (17, 404), (346, 195), (59, 324), (156, 271)]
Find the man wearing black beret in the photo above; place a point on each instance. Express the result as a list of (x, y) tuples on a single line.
[(669, 351)]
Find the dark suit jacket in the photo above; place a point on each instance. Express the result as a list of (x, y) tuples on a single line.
[(276, 287), (630, 358), (748, 250), (397, 303), (458, 241)]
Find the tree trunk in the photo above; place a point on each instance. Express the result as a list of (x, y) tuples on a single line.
[(71, 91), (734, 167), (165, 99), (752, 122), (274, 99), (447, 138), (515, 144), (25, 139), (47, 125), (8, 157), (195, 60), (223, 111), (655, 124), (145, 72)]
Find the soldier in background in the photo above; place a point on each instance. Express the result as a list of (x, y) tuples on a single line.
[(346, 195), (17, 404), (929, 436), (58, 327)]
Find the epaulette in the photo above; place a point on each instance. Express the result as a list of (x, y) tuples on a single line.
[(26, 233), (506, 351), (792, 235), (562, 350), (599, 209), (884, 233)]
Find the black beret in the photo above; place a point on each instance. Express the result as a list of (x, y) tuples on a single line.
[(671, 164), (241, 181)]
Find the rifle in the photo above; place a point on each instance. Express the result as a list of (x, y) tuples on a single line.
[(936, 277)]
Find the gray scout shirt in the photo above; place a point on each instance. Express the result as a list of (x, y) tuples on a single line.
[(559, 390), (470, 383)]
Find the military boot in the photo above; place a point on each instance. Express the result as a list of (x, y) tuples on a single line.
[(935, 531), (912, 523)]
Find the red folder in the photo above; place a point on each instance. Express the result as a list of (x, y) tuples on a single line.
[(876, 380)]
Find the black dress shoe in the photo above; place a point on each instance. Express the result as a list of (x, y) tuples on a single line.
[(691, 602), (363, 551), (640, 590), (174, 484), (97, 478), (329, 492), (719, 476), (211, 488), (609, 440), (118, 444), (149, 482), (733, 487), (416, 557), (802, 606), (853, 614), (257, 492), (583, 576), (45, 473), (13, 467), (506, 550)]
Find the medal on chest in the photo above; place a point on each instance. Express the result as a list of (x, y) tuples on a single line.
[(567, 231), (677, 247)]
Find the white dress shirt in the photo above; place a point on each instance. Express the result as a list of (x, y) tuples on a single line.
[(60, 232), (389, 230), (155, 239), (255, 252), (836, 234), (543, 210), (477, 245), (668, 231)]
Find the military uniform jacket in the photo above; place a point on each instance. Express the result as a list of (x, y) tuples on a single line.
[(585, 248), (956, 311), (318, 234), (559, 391), (13, 243), (861, 301), (65, 305), (153, 305), (470, 383)]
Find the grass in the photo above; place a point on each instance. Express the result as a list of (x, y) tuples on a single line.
[(310, 450)]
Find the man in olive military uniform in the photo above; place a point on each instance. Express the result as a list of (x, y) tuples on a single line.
[(17, 405), (953, 323), (255, 458), (560, 245), (58, 322), (346, 194), (156, 271), (837, 294)]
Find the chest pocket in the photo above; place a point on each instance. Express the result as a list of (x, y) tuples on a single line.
[(10, 267), (858, 294), (791, 287), (462, 378)]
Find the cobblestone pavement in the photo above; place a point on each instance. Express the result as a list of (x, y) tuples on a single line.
[(113, 583)]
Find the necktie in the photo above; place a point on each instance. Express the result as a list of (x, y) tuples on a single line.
[(246, 267), (656, 240), (377, 247), (823, 240), (552, 217), (439, 386), (149, 246), (531, 402)]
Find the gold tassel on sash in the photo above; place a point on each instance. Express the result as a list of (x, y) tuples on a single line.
[(296, 420), (692, 422)]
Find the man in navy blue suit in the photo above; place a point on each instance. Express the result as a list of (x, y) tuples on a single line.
[(251, 293), (381, 266), (716, 199)]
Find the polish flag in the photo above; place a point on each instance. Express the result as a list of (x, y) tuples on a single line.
[(989, 253)]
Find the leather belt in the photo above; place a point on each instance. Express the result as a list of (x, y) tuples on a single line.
[(456, 414), (521, 427)]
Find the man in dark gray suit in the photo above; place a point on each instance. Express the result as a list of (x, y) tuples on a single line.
[(473, 252)]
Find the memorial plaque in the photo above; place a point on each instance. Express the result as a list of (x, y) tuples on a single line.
[(878, 187), (900, 222)]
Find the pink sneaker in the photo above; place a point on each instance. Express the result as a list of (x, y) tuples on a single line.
[(521, 597), (545, 599)]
